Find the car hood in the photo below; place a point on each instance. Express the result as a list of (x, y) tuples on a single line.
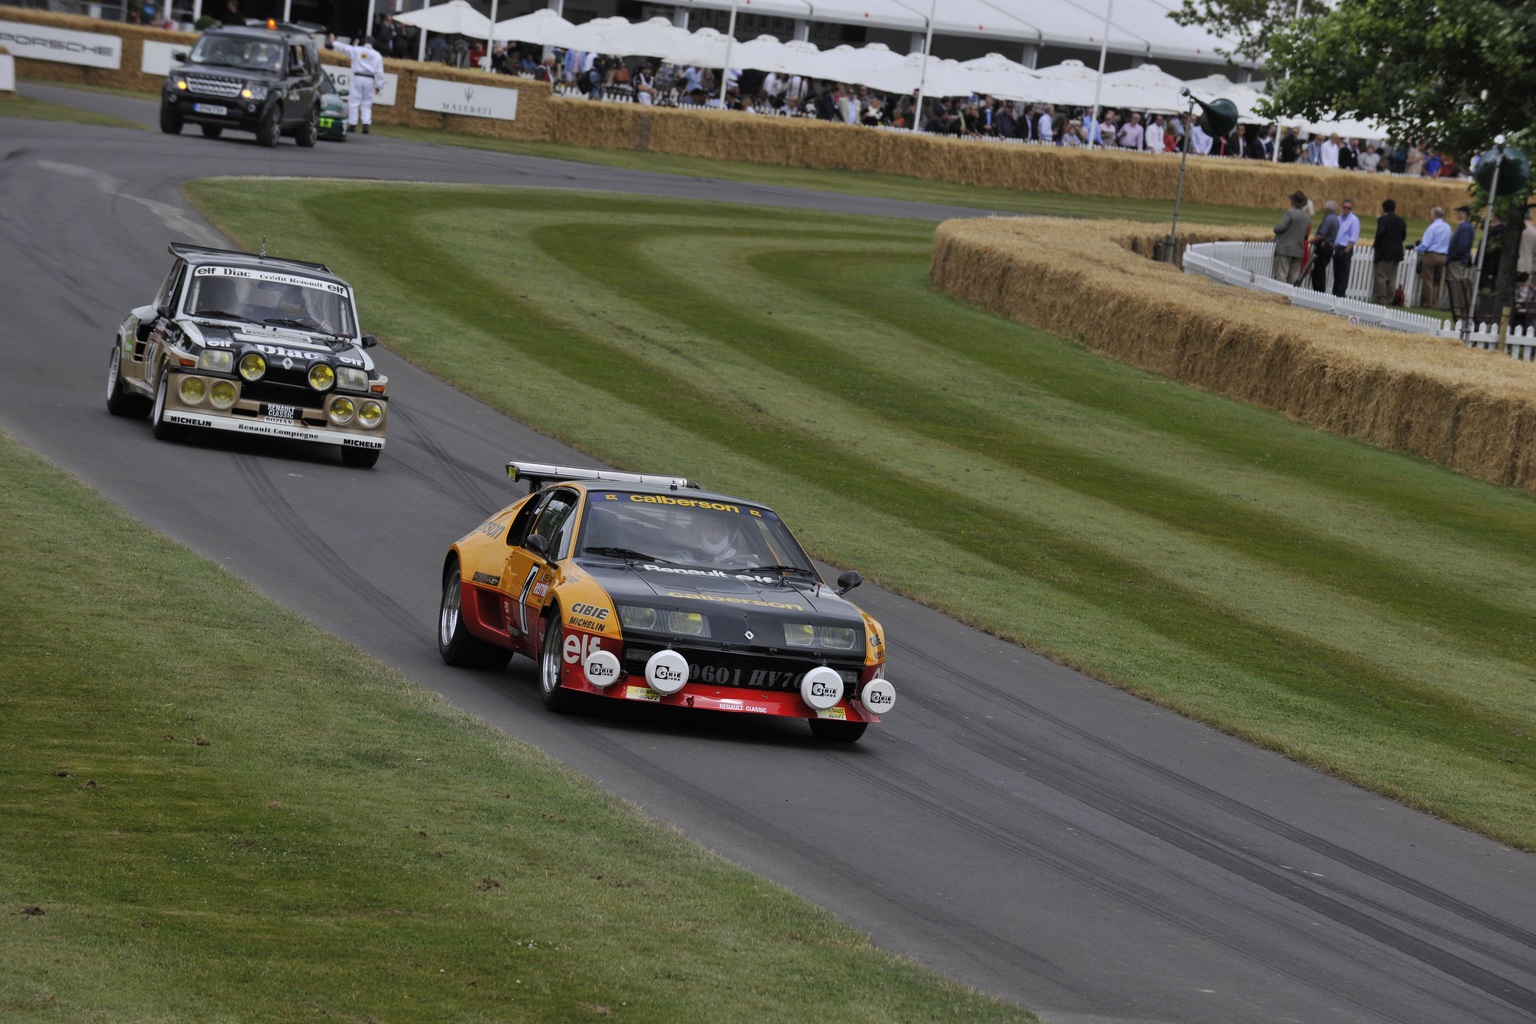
[(677, 586), (231, 73), (277, 342)]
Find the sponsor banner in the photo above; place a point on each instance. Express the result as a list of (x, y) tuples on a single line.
[(271, 428), (157, 59), (210, 270), (467, 100), (41, 42), (383, 95), (7, 73)]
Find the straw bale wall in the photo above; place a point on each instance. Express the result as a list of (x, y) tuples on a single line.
[(800, 142), (1473, 411)]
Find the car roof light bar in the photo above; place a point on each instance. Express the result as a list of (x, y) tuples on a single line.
[(537, 474)]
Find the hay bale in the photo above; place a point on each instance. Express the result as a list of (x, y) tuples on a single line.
[(1472, 411)]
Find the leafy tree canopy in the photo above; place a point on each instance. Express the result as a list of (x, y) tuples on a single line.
[(1453, 74)]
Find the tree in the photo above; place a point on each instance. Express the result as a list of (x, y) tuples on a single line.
[(1451, 74)]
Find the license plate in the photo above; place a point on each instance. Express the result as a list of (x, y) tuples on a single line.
[(210, 108), (281, 412), (327, 122)]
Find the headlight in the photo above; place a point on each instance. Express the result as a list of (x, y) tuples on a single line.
[(342, 411), (322, 377), (663, 620), (350, 378), (223, 394), (193, 390), (833, 638), (220, 360), (253, 366), (254, 92), (370, 414)]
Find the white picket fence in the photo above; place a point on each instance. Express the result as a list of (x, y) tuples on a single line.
[(1248, 264)]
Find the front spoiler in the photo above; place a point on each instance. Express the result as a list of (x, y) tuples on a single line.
[(704, 697), (269, 428)]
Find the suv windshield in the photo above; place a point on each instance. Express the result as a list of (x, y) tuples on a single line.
[(233, 293), (239, 52)]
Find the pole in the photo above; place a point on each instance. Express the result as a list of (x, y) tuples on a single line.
[(730, 38), (490, 39), (917, 112), (1098, 90), (1482, 246), (1178, 195)]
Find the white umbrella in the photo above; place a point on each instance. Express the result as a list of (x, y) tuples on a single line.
[(657, 37), (712, 46), (1006, 85), (765, 53), (996, 62), (1068, 84), (539, 27), (1147, 87), (588, 36), (942, 77), (456, 17), (848, 64)]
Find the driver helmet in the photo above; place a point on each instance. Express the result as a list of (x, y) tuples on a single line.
[(715, 536)]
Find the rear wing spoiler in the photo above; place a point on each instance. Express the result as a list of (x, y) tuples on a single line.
[(538, 474)]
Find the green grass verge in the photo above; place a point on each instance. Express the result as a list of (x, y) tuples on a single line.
[(1358, 609), (13, 105), (214, 812)]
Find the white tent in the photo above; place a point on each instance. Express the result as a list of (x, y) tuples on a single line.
[(1068, 84), (657, 37), (996, 62), (933, 76), (853, 64), (1147, 87), (456, 17), (543, 26)]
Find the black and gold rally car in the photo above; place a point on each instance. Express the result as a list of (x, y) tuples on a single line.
[(646, 588), (249, 343)]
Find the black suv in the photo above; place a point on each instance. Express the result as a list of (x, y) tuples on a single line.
[(262, 77)]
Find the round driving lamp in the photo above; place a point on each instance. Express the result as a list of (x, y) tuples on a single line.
[(193, 390), (222, 394), (370, 414), (322, 377), (253, 366), (342, 410)]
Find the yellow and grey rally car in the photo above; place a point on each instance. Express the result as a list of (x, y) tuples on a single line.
[(646, 588), (255, 345)]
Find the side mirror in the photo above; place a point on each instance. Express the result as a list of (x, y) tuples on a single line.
[(369, 341), (179, 55), (847, 581), (537, 544), (146, 317)]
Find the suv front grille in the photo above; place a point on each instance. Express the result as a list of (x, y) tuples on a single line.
[(226, 87)]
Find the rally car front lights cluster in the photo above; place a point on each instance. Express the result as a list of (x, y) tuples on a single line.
[(663, 620), (832, 638), (254, 92), (253, 367), (218, 360)]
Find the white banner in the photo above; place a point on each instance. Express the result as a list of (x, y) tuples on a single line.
[(383, 95), (7, 73), (157, 59), (40, 42), (468, 100)]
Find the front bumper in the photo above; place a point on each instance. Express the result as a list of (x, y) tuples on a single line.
[(705, 697), (248, 416), (236, 113)]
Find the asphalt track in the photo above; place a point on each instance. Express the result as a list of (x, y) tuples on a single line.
[(1014, 825)]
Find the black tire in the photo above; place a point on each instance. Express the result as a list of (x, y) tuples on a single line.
[(309, 134), (556, 698), (363, 458), (271, 127), (170, 121), (455, 644), (834, 731), (162, 430), (212, 131), (121, 401)]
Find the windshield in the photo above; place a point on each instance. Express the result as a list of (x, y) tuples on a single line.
[(239, 52), (690, 531), (270, 297)]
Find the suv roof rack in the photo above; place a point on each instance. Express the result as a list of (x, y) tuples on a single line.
[(539, 474)]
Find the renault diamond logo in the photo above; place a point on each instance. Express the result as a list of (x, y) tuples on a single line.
[(287, 363), (750, 635)]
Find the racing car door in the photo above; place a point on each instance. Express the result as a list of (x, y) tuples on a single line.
[(528, 573)]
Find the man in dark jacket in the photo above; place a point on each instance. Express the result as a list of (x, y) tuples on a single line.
[(1387, 253), (1458, 265)]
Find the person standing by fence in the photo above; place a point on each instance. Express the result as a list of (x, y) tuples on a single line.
[(1344, 247), (367, 75), (1322, 245), (1290, 239), (1458, 265), (1432, 249), (1387, 253)]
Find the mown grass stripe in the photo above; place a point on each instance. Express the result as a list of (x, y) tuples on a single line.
[(905, 402)]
